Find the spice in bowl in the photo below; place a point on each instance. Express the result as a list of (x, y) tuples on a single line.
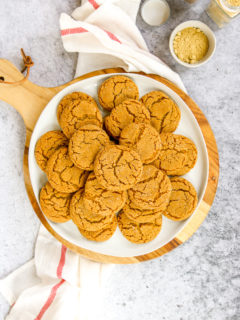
[(190, 45), (234, 3)]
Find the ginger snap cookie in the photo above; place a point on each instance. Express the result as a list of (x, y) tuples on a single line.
[(77, 114), (103, 234), (84, 219), (47, 144), (117, 167), (140, 215), (183, 200), (142, 138), (112, 142), (62, 174), (125, 113), (177, 156), (139, 232), (115, 90), (99, 200), (165, 114), (54, 204), (84, 145), (152, 190), (69, 98)]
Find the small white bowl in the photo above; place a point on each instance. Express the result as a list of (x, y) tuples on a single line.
[(208, 32)]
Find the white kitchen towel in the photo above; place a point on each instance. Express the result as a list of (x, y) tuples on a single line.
[(105, 35), (56, 285), (59, 284)]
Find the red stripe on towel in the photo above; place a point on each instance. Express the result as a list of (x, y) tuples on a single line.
[(94, 4), (112, 36), (72, 31), (66, 32), (54, 288), (61, 262), (49, 300)]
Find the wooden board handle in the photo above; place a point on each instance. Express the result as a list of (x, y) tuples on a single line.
[(27, 98)]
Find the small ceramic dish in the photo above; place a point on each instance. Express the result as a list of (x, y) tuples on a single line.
[(208, 32)]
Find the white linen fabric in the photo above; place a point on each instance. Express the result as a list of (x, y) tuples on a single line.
[(59, 284), (56, 285), (105, 35)]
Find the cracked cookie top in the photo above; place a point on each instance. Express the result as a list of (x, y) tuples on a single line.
[(47, 145), (139, 232), (183, 200), (125, 113), (69, 98), (117, 167), (115, 90), (142, 138), (99, 200), (140, 215), (152, 191), (54, 204), (84, 145), (165, 114), (78, 113), (84, 219), (103, 234), (62, 174), (177, 156)]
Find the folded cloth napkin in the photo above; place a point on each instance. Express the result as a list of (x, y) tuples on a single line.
[(105, 35), (59, 284)]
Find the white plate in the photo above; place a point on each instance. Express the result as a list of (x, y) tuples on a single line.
[(118, 245)]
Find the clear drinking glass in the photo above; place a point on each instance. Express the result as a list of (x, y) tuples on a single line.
[(222, 12)]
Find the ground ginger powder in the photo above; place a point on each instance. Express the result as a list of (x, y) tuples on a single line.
[(234, 3), (190, 45)]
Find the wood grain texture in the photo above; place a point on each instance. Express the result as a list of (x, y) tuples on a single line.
[(30, 99)]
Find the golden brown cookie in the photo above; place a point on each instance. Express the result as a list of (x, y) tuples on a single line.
[(62, 174), (165, 114), (69, 98), (84, 145), (139, 232), (140, 215), (54, 204), (103, 234), (177, 156), (152, 191), (84, 219), (100, 200), (115, 90), (183, 200), (142, 138), (77, 114), (113, 142), (47, 144), (117, 168), (125, 113)]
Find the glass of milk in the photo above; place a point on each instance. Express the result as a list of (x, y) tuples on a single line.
[(155, 12)]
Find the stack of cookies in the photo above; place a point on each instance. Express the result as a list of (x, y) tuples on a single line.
[(115, 171)]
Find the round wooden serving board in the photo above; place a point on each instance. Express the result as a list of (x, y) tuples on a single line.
[(30, 99)]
